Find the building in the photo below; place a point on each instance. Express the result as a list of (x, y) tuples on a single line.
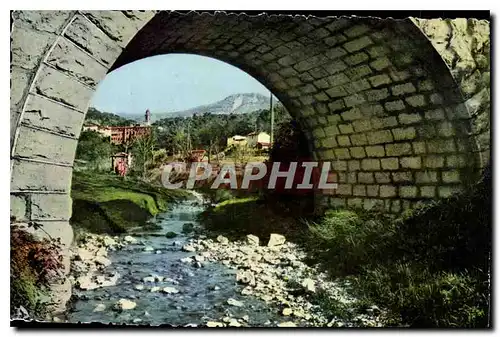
[(147, 118), (260, 140), (103, 130), (127, 134), (237, 140)]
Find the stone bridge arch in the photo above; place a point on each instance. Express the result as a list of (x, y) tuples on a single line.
[(401, 117)]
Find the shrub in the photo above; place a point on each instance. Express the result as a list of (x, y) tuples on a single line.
[(33, 265)]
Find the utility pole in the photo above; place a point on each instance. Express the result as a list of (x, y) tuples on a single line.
[(272, 118)]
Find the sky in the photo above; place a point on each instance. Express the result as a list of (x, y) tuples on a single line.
[(172, 82)]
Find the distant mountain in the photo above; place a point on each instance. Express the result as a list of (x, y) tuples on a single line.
[(233, 104)]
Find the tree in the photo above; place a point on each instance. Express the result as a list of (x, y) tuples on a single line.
[(93, 148), (143, 150)]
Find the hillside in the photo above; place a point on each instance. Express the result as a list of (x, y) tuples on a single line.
[(95, 116)]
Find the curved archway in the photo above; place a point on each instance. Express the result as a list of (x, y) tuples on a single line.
[(375, 97)]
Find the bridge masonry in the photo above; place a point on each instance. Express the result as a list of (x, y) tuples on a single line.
[(400, 108)]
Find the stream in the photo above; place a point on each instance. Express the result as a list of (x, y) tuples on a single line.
[(203, 290)]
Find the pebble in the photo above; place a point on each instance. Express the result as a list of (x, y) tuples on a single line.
[(236, 303)]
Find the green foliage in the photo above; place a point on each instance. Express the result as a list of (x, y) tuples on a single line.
[(105, 118), (430, 267), (106, 203), (33, 264)]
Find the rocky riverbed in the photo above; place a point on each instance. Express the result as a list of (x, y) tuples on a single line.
[(172, 276)]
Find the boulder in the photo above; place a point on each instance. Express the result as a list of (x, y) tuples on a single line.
[(287, 325), (212, 324), (170, 290), (287, 312), (252, 240), (85, 282), (276, 240), (309, 285), (108, 241), (187, 227), (171, 235), (100, 307), (124, 304), (188, 248), (129, 239), (222, 239), (245, 277), (236, 303)]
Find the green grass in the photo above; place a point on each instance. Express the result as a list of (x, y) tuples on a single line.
[(106, 203)]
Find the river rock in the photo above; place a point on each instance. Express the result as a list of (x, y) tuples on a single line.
[(234, 323), (108, 241), (187, 259), (287, 312), (139, 287), (246, 318), (236, 303), (199, 258), (252, 240), (158, 252), (171, 235), (222, 239), (129, 239), (245, 277), (83, 254), (287, 325), (187, 227), (276, 240), (149, 279), (137, 320), (124, 304), (148, 249), (188, 248), (100, 307), (309, 285), (170, 290), (155, 289), (212, 324), (85, 282)]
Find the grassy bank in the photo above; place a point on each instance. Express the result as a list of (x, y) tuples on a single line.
[(106, 203), (427, 268)]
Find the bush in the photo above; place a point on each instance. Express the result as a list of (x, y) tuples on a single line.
[(33, 264)]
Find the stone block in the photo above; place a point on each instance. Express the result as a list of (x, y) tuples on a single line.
[(355, 59), (380, 63), (416, 101), (18, 210), (398, 149), (19, 86), (28, 176), (337, 91), (411, 162), (434, 161), (408, 191), (352, 114), (382, 177), (405, 118), (448, 191), (426, 177), (355, 202), (62, 88), (118, 26), (418, 147), (344, 189), (441, 146), (403, 89), (357, 44), (336, 105), (428, 191), (394, 105), (339, 165), (359, 139), (359, 190), (370, 164), (45, 114), (55, 229), (342, 154), (402, 177), (452, 176), (354, 165), (343, 140), (373, 204), (362, 125), (404, 133), (358, 72), (389, 163), (345, 128), (377, 94), (50, 207), (91, 39), (356, 86), (40, 145), (379, 137), (72, 61), (446, 129), (365, 178), (456, 161), (436, 114), (387, 191), (28, 46), (354, 100), (379, 80), (357, 152)]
